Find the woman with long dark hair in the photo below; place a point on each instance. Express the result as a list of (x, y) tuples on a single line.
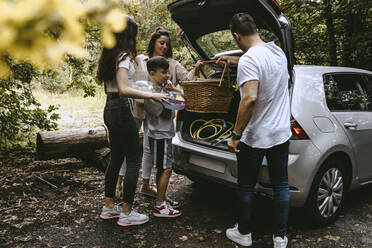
[(116, 71)]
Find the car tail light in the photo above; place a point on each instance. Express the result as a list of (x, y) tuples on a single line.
[(297, 132)]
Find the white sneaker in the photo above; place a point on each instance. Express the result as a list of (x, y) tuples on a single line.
[(279, 242), (164, 210), (131, 219), (242, 239), (109, 213)]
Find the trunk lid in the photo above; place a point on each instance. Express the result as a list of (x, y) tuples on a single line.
[(198, 18)]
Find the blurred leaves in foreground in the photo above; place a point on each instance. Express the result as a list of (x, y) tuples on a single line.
[(42, 32), (40, 41)]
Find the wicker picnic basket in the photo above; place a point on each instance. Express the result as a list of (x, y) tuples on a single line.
[(212, 95)]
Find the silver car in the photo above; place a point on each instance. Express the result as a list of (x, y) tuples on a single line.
[(331, 108)]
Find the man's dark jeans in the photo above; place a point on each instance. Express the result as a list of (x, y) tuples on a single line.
[(249, 163), (124, 142)]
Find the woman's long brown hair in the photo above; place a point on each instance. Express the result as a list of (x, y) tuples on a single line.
[(156, 35), (125, 44)]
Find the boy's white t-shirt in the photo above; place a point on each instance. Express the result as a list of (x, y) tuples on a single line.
[(270, 122)]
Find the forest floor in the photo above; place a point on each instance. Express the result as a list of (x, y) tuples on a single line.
[(56, 203)]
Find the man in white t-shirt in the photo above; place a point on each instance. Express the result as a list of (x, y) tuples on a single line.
[(262, 126)]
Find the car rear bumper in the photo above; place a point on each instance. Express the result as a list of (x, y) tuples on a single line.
[(220, 166)]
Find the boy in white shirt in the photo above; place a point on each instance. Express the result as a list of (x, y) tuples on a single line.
[(160, 131)]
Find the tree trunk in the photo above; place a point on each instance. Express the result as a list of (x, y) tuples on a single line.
[(332, 46), (91, 145), (348, 45), (71, 142)]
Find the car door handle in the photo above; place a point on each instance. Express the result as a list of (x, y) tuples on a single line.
[(350, 124)]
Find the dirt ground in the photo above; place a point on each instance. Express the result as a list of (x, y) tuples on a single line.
[(56, 203)]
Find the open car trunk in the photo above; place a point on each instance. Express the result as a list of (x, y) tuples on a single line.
[(187, 119), (200, 18)]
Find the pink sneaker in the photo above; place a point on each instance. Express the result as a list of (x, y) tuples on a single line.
[(164, 210)]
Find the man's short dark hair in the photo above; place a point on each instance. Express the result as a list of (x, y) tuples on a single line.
[(243, 23), (157, 62)]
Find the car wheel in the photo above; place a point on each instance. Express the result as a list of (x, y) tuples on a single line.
[(327, 193)]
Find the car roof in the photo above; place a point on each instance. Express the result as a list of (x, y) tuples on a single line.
[(318, 69)]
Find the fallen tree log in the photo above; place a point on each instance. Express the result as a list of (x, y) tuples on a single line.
[(91, 145), (99, 158), (70, 142)]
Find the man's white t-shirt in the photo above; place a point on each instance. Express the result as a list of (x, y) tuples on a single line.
[(270, 123)]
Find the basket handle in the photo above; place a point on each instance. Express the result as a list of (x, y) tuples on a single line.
[(226, 67), (204, 62)]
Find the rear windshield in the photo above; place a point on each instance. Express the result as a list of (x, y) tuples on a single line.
[(223, 41)]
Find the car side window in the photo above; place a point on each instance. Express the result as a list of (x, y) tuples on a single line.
[(332, 94), (369, 78), (344, 92), (367, 89)]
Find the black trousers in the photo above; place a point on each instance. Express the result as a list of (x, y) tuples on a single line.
[(124, 143)]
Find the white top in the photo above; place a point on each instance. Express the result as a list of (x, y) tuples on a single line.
[(127, 64), (270, 123), (111, 86)]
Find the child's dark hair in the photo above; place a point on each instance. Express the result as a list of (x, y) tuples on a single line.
[(157, 62)]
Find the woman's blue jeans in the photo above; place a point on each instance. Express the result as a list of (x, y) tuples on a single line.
[(249, 164)]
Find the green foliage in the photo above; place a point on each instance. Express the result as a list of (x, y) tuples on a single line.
[(82, 75), (347, 23), (20, 112), (217, 42), (54, 81), (150, 14), (76, 73)]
